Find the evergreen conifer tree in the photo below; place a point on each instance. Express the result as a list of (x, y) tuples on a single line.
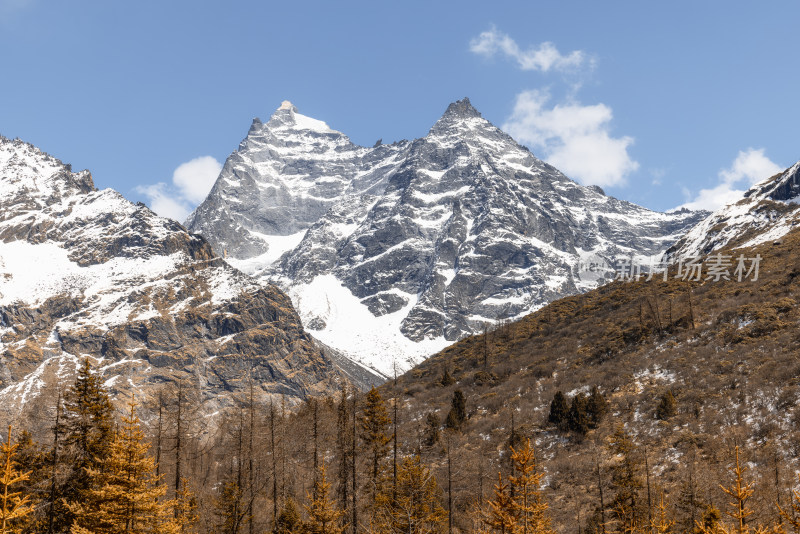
[(447, 378), (559, 411), (85, 432), (709, 522), (596, 407), (458, 411), (578, 417), (667, 406), (432, 432), (375, 435)]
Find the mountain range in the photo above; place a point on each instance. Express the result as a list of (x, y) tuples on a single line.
[(315, 261), (392, 252), (86, 273)]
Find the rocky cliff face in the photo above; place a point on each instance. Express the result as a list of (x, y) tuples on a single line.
[(284, 177), (767, 211), (85, 273), (392, 252)]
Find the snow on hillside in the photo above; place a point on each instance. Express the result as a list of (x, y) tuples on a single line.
[(408, 247)]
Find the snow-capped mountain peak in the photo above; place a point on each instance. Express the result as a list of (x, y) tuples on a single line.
[(287, 117), (419, 243), (32, 177), (86, 273), (460, 109), (766, 212)]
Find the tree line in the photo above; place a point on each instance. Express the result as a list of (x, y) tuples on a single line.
[(332, 465)]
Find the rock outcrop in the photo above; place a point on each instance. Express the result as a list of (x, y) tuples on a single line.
[(392, 252), (86, 273)]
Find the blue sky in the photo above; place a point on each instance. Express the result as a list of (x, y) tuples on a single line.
[(662, 103)]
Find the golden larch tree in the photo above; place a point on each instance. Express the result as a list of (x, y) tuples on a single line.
[(185, 506), (129, 496), (661, 523), (501, 514), (14, 506), (531, 510), (414, 507), (793, 517), (739, 491), (323, 515)]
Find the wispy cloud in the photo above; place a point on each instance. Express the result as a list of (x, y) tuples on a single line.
[(191, 182), (543, 57), (750, 167), (163, 200), (572, 137)]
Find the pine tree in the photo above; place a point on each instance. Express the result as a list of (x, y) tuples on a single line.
[(596, 407), (15, 507), (709, 521), (374, 433), (432, 429), (458, 411), (415, 508), (85, 429), (447, 378), (324, 516), (127, 497), (559, 411), (578, 417), (667, 406), (531, 510)]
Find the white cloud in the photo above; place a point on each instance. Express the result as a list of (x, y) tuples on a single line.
[(195, 178), (572, 137), (163, 201), (544, 57), (191, 182), (750, 167)]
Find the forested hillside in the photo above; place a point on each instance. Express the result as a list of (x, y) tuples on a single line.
[(622, 410)]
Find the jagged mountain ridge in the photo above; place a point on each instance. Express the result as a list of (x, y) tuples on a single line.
[(84, 272), (420, 242), (766, 212)]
